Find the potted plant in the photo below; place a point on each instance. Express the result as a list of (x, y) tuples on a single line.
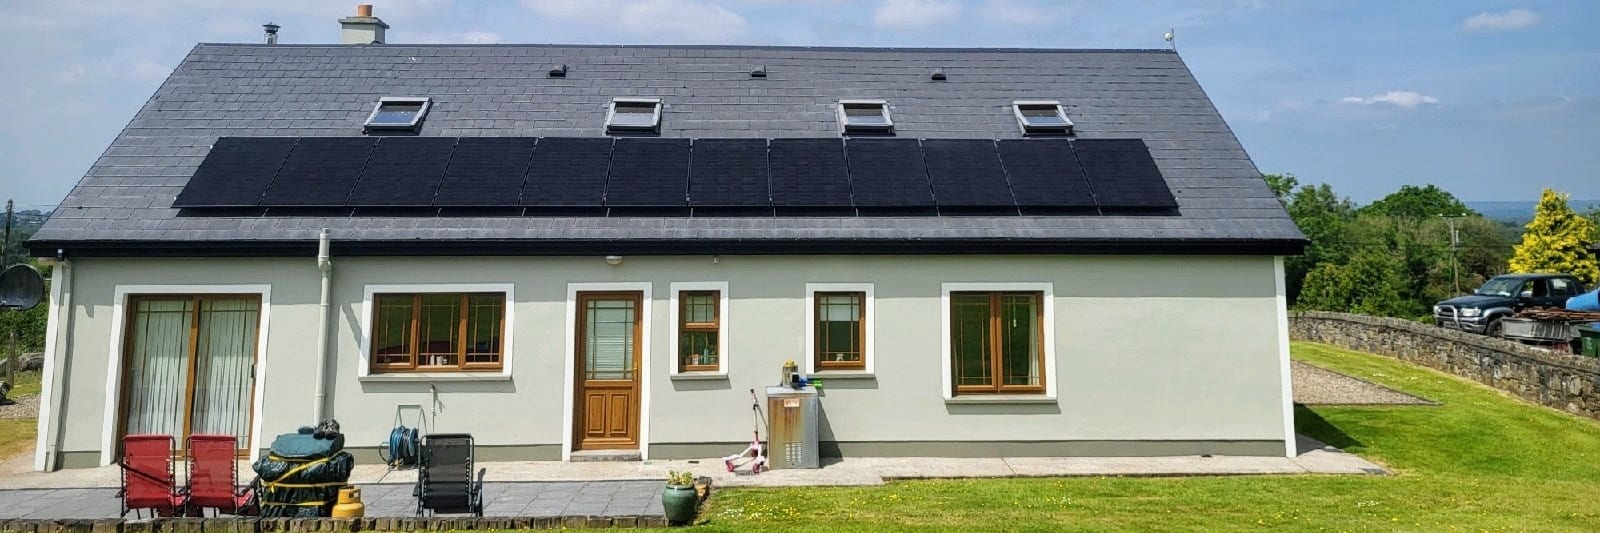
[(678, 499)]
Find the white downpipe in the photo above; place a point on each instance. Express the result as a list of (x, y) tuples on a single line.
[(56, 356), (325, 265)]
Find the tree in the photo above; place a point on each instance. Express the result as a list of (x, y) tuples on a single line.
[(1418, 202), (1557, 240), (1323, 217), (1373, 283)]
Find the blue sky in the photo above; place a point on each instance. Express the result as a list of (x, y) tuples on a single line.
[(1491, 100)]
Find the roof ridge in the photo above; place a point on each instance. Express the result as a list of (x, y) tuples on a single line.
[(702, 47)]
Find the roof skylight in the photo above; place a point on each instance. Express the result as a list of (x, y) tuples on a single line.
[(865, 116), (634, 115), (398, 113), (1042, 117)]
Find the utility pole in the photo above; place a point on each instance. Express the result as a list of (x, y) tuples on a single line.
[(5, 261), (1455, 243)]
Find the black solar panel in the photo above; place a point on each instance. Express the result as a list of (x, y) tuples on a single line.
[(808, 173), (648, 173), (403, 172), (729, 173), (1044, 173), (320, 172), (966, 173), (1123, 174), (567, 172), (236, 172), (486, 171), (888, 173)]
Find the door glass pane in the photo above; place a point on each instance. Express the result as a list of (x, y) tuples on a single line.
[(440, 324), (226, 350), (839, 327), (970, 341), (392, 334), (608, 339), (158, 367), (1019, 339)]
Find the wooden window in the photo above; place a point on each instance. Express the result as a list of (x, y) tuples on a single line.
[(997, 342), (841, 330), (699, 328), (437, 332)]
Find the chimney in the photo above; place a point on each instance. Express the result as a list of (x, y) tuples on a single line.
[(272, 32), (362, 28)]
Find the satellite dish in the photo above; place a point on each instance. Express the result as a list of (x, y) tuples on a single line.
[(21, 287)]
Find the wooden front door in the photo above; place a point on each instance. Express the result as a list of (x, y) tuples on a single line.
[(607, 403)]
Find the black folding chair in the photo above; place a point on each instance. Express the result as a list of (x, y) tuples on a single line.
[(445, 482)]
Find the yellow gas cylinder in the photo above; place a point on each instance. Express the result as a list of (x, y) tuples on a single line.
[(349, 505)]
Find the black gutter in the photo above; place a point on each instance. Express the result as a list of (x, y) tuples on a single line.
[(567, 247)]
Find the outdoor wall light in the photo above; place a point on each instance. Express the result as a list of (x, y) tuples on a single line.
[(613, 260)]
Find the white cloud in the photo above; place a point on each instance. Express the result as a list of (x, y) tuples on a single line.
[(686, 20), (467, 37), (1024, 12), (915, 14), (1509, 20), (1406, 99)]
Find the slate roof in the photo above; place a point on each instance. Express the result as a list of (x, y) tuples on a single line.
[(123, 202)]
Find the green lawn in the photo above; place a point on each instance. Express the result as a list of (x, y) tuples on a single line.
[(16, 435), (1479, 461)]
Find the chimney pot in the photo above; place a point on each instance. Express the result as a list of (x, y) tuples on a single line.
[(363, 10)]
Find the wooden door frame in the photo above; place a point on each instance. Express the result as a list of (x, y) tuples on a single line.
[(123, 314), (194, 362), (579, 355), (644, 290)]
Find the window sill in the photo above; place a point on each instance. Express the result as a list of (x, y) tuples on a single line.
[(842, 374), (698, 376), (437, 376), (1001, 399)]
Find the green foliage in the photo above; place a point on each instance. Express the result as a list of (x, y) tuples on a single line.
[(1557, 240), (1418, 202), (1372, 283), (29, 326), (1323, 216), (680, 479), (22, 228)]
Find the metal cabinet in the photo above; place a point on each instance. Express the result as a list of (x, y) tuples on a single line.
[(792, 428)]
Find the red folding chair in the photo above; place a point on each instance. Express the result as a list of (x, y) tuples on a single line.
[(214, 476), (148, 480)]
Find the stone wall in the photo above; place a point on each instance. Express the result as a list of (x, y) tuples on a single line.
[(1567, 382)]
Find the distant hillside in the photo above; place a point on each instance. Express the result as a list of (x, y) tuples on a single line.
[(1521, 212)]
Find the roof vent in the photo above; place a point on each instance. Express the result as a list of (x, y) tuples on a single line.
[(559, 72), (938, 74), (272, 32), (759, 72)]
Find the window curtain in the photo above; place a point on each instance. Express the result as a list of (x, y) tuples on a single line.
[(158, 367), (227, 346), (608, 346)]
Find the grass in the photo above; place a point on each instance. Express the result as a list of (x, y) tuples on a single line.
[(1478, 461), (16, 434)]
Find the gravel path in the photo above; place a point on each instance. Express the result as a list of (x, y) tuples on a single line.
[(1318, 386), (26, 407)]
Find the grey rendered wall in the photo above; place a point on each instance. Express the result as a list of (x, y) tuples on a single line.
[(1149, 349)]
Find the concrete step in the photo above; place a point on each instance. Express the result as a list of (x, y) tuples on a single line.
[(606, 455)]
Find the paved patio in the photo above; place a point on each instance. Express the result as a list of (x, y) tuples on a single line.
[(611, 499)]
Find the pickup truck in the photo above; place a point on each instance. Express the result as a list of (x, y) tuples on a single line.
[(1503, 296)]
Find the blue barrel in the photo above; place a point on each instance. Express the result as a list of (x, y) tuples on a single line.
[(1585, 302)]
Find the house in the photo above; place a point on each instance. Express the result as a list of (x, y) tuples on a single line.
[(562, 249)]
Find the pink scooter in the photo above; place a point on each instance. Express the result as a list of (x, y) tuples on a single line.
[(757, 450)]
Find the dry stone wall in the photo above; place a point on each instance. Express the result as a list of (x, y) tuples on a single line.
[(1563, 381)]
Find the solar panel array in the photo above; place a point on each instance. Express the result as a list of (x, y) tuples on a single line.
[(550, 174)]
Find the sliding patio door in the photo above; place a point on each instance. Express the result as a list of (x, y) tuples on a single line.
[(189, 365)]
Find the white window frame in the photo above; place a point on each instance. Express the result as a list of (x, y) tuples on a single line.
[(119, 320), (723, 320), (570, 369), (611, 113), (1032, 129), (869, 310), (426, 102), (364, 338), (844, 120), (1047, 292)]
